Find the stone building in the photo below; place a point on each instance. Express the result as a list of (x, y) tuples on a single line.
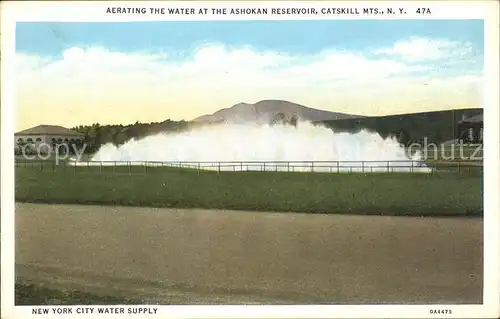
[(46, 138)]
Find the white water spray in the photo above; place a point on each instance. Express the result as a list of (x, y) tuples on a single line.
[(306, 147)]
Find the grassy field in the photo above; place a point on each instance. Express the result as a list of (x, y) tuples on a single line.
[(386, 194)]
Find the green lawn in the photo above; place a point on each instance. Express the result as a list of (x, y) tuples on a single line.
[(416, 194)]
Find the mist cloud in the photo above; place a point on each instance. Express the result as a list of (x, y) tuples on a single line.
[(254, 143)]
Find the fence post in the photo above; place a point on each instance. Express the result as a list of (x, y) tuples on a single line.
[(338, 167), (388, 167), (218, 170), (312, 166), (288, 166), (412, 166), (362, 166), (241, 166), (264, 166), (458, 166), (101, 166)]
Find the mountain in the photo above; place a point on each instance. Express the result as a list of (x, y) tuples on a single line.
[(267, 110), (435, 127)]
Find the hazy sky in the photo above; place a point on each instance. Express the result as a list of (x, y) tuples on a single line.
[(112, 73)]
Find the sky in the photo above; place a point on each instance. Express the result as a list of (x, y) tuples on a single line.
[(121, 72)]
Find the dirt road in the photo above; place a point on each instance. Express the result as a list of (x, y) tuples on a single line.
[(196, 256)]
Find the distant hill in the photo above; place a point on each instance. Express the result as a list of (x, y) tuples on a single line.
[(437, 126), (267, 110)]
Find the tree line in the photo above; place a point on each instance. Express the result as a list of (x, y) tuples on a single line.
[(96, 135)]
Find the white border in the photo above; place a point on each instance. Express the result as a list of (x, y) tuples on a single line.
[(95, 11)]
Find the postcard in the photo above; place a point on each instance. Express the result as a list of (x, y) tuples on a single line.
[(250, 159)]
